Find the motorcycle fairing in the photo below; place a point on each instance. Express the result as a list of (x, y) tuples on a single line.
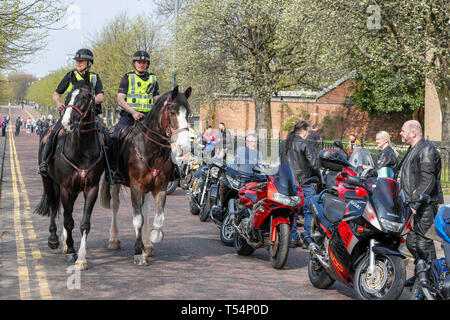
[(339, 270)]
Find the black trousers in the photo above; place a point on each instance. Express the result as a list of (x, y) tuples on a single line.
[(417, 243)]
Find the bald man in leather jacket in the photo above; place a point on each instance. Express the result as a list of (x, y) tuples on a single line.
[(420, 172)]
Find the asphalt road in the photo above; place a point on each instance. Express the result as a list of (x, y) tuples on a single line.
[(189, 264)]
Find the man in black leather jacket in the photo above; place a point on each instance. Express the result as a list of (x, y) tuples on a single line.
[(299, 154), (420, 172)]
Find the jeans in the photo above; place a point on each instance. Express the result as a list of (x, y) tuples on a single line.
[(308, 192)]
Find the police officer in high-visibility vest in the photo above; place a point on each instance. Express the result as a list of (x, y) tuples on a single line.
[(84, 59), (138, 91)]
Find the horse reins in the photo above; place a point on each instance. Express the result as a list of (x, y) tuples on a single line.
[(84, 172), (167, 138)]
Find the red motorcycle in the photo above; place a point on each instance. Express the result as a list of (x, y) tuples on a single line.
[(263, 215)]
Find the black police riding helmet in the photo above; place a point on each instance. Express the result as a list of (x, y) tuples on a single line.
[(84, 54), (141, 55)]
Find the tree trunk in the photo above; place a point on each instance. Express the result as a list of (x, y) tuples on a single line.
[(263, 115), (443, 95)]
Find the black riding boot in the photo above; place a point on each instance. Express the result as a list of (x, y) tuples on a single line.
[(47, 151), (116, 177)]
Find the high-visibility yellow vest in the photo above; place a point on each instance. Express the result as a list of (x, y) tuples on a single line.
[(92, 79), (137, 96)]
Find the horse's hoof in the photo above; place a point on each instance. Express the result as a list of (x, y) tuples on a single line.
[(140, 260), (71, 258), (64, 248), (53, 244), (156, 236), (81, 265), (114, 245), (149, 251)]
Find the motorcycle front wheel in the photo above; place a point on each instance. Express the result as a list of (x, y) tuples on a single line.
[(386, 283), (206, 207), (279, 251), (172, 186), (227, 231)]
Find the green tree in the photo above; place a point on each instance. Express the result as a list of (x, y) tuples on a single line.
[(24, 26), (409, 37), (20, 82), (253, 47), (6, 91), (115, 45), (41, 91)]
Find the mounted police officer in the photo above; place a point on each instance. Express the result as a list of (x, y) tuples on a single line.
[(84, 59), (138, 91)]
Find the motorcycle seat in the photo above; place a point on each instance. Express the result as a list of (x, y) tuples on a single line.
[(334, 208), (330, 178)]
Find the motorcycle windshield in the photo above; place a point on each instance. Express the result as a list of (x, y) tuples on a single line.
[(361, 158), (284, 181), (386, 199)]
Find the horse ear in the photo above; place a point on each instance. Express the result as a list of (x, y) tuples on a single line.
[(188, 92), (174, 93)]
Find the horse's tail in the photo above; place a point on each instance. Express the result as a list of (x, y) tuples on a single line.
[(105, 193), (44, 207)]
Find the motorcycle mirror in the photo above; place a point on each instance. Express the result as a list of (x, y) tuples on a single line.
[(339, 144)]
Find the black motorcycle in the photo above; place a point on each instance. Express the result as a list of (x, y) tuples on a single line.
[(230, 181), (357, 241), (199, 196)]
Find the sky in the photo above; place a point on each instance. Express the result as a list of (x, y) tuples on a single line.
[(77, 33)]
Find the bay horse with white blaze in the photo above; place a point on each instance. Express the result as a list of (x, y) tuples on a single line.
[(77, 167), (146, 165)]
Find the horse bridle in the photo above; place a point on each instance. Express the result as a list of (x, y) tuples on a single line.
[(169, 131), (84, 114)]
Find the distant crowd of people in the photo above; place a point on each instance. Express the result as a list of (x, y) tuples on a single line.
[(31, 125)]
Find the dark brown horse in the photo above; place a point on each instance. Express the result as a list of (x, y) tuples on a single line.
[(77, 167), (146, 165)]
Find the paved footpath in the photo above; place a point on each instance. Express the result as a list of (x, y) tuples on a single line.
[(190, 263)]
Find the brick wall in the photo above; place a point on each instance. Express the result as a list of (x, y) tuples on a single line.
[(329, 108)]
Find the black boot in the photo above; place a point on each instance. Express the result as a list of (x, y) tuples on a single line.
[(410, 282), (46, 151), (113, 177)]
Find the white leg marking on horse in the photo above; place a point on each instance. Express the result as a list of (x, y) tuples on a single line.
[(158, 221), (81, 263), (63, 240), (137, 223)]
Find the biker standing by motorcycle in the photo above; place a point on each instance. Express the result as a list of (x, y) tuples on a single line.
[(386, 157), (299, 154), (420, 172)]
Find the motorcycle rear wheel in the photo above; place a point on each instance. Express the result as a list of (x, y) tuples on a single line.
[(241, 246), (318, 275), (389, 280), (279, 251)]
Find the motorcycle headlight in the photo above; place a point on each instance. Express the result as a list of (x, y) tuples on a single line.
[(391, 225), (215, 172), (286, 200)]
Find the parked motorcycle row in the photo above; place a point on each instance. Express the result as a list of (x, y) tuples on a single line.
[(360, 220)]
